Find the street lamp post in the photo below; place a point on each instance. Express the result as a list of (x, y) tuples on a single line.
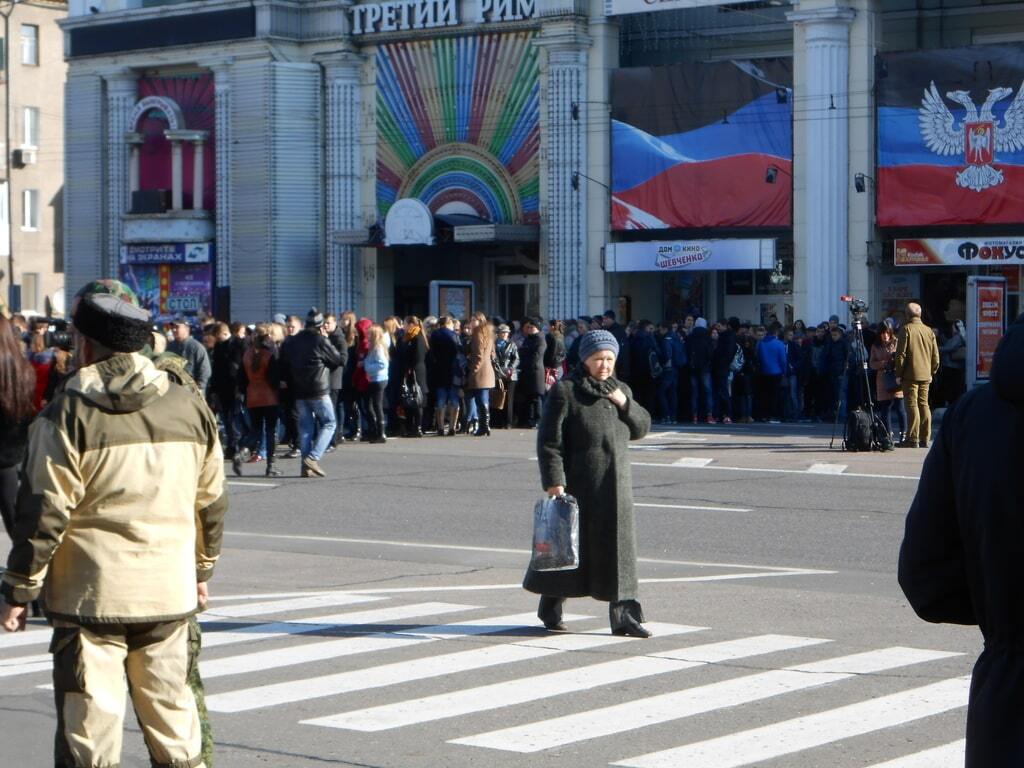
[(6, 9)]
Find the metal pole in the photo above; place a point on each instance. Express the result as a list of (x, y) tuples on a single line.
[(7, 9)]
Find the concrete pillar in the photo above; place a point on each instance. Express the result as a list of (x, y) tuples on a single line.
[(176, 176), (343, 179), (197, 175), (565, 115), (222, 157), (822, 173), (134, 141), (121, 94)]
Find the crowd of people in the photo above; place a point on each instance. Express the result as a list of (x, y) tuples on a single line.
[(309, 384)]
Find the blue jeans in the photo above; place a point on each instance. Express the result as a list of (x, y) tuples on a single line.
[(447, 397), (723, 393), (667, 401), (316, 426), (699, 382), (481, 399)]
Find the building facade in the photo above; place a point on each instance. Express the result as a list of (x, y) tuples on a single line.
[(557, 157), (31, 194)]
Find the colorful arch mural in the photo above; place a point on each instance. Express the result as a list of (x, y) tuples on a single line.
[(458, 125)]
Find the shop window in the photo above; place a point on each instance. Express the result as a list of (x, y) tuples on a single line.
[(30, 45), (30, 210)]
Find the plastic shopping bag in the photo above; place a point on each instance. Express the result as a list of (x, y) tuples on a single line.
[(556, 534)]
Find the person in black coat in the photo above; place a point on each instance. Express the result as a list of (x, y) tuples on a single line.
[(960, 559), (721, 374), (643, 352), (698, 353), (583, 450), (412, 354), (444, 349), (531, 369)]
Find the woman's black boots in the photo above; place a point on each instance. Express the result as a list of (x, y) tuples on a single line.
[(550, 612), (626, 617)]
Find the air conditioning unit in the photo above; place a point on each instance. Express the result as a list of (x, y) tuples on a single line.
[(151, 201), (18, 158)]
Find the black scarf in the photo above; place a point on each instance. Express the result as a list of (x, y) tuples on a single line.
[(595, 388)]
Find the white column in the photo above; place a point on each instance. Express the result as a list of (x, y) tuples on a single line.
[(343, 182), (134, 141), (564, 142), (222, 159), (197, 175), (121, 90), (821, 80), (176, 176)]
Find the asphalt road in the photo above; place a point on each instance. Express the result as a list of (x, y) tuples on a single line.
[(375, 618)]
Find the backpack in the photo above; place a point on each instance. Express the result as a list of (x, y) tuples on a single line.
[(859, 431), (736, 364), (656, 369), (882, 437)]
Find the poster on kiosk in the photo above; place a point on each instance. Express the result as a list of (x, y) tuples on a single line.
[(986, 321)]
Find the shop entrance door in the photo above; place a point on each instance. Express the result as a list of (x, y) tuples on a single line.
[(518, 296)]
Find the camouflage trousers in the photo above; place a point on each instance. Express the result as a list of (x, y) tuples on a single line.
[(94, 666), (195, 682)]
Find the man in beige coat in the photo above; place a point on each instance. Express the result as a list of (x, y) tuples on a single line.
[(916, 362)]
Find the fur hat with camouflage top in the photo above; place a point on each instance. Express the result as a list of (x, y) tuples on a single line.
[(108, 312)]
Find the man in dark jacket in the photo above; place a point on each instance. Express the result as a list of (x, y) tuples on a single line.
[(623, 367), (306, 362), (643, 351), (960, 559), (184, 345), (444, 349), (698, 352), (721, 374), (226, 364), (336, 336), (531, 369)]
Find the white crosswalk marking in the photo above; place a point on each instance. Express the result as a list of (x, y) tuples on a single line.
[(23, 665), (213, 638), (218, 612), (946, 756), (667, 707), (798, 734), (328, 685), (556, 683), (21, 639), (426, 668)]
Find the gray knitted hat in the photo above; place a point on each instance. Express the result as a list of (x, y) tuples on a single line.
[(597, 341)]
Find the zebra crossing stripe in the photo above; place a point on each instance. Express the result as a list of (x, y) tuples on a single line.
[(28, 637), (329, 649), (946, 756), (419, 669), (801, 733), (522, 690), (677, 705), (330, 685), (339, 621), (218, 612), (23, 665)]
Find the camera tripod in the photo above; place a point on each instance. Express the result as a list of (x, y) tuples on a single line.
[(862, 352)]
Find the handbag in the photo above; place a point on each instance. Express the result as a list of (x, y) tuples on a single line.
[(411, 394), (556, 534), (889, 380)]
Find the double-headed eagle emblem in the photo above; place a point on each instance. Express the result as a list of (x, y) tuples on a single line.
[(978, 137)]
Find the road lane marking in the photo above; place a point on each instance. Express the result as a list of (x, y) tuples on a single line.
[(653, 710), (428, 667), (23, 665), (778, 739), (337, 622), (826, 469), (773, 470), (689, 506), (692, 462), (318, 600), (27, 637), (947, 755), (526, 689), (253, 485)]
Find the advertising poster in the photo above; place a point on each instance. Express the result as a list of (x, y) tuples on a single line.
[(171, 278), (986, 310), (674, 256), (976, 251), (951, 136), (692, 145), (452, 297), (896, 291)]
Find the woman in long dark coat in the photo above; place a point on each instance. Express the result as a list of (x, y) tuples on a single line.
[(412, 354), (583, 450), (531, 368)]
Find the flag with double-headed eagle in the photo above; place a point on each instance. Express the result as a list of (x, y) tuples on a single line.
[(951, 137)]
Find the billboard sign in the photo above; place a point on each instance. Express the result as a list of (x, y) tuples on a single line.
[(986, 310), (167, 253), (674, 256), (703, 145), (170, 278), (963, 251), (951, 136)]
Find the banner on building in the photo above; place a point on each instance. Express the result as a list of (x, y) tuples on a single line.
[(620, 7), (171, 278), (975, 251), (951, 136), (986, 311), (666, 256), (702, 145)]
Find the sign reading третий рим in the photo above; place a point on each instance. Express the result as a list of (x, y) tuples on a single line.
[(403, 15)]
